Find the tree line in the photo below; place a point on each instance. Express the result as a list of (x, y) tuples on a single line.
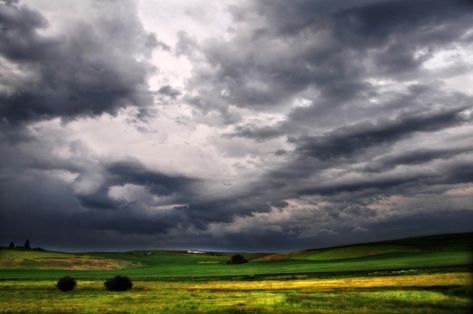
[(26, 246)]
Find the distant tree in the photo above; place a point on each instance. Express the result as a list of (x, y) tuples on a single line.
[(237, 259), (27, 245), (12, 245), (66, 283), (118, 283)]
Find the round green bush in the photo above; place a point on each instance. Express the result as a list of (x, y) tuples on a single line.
[(118, 283), (66, 283), (237, 259)]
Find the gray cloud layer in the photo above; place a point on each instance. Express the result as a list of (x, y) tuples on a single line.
[(372, 144), (89, 69)]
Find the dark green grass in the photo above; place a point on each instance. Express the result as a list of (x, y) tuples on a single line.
[(433, 243)]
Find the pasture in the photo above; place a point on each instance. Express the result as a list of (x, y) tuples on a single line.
[(419, 275), (430, 293)]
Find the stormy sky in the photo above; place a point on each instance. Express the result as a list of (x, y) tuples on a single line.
[(258, 125)]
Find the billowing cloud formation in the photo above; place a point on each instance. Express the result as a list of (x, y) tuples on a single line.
[(283, 125), (92, 66)]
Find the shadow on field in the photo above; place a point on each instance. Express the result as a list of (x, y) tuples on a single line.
[(455, 291)]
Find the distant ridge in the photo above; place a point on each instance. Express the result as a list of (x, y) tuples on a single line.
[(443, 238), (438, 242)]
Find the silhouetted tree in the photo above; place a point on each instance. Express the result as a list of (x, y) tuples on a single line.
[(237, 259), (66, 283), (118, 283), (27, 245), (12, 245)]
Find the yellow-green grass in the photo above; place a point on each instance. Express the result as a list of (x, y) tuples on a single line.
[(17, 259), (429, 293)]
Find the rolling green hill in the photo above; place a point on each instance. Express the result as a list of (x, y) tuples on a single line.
[(440, 251), (414, 246), (21, 259)]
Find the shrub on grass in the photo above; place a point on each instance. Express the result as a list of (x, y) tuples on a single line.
[(237, 259), (118, 283), (66, 283)]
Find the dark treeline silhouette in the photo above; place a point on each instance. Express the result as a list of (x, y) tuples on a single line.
[(27, 246)]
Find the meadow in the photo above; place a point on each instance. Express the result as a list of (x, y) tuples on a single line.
[(418, 275), (429, 293)]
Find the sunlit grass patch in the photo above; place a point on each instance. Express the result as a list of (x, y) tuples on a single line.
[(320, 284), (433, 293)]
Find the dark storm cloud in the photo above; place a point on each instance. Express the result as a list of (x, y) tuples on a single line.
[(278, 57), (308, 165), (52, 205), (415, 157), (51, 215), (376, 18), (432, 223), (326, 52), (349, 140), (132, 172), (30, 209), (376, 145), (159, 183), (89, 69), (256, 133), (324, 46)]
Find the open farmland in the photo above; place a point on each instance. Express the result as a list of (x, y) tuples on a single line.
[(431, 293), (418, 275), (444, 251)]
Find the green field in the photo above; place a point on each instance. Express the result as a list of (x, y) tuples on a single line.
[(432, 293), (418, 275)]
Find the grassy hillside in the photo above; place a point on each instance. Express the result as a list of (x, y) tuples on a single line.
[(415, 253), (417, 275), (409, 246), (18, 259)]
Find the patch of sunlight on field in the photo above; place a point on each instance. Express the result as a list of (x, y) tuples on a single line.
[(416, 296), (398, 281), (433, 293)]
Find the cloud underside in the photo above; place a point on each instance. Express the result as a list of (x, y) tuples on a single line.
[(327, 122)]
